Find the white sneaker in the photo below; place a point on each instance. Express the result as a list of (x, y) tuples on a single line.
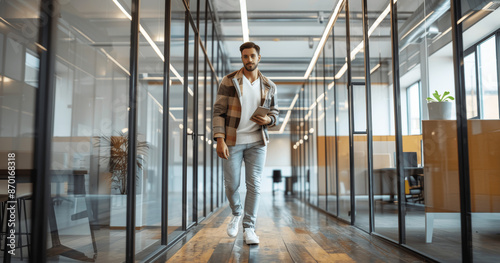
[(232, 227), (250, 237)]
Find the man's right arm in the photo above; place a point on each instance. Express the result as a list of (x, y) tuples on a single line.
[(220, 112), (219, 120)]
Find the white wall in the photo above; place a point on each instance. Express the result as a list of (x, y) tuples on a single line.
[(278, 157), (382, 110), (441, 75)]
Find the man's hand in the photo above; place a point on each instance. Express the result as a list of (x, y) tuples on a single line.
[(261, 120), (222, 150)]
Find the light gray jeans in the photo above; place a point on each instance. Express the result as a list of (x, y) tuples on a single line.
[(254, 156)]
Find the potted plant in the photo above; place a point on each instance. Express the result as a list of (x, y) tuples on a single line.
[(440, 106), (117, 162)]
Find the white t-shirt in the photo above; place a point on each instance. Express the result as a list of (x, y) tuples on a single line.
[(249, 131)]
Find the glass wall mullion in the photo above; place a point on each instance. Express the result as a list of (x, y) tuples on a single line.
[(462, 131), (397, 122), (350, 115), (195, 125), (369, 130), (337, 195), (132, 133), (44, 123), (185, 123), (206, 138), (166, 125), (325, 131)]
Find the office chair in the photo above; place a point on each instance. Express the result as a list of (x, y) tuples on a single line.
[(276, 178), (413, 190)]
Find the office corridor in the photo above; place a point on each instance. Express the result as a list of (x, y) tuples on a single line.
[(112, 114), (289, 231)]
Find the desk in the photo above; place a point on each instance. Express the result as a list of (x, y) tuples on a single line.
[(385, 180), (58, 176)]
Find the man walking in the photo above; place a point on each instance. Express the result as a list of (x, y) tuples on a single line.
[(241, 137)]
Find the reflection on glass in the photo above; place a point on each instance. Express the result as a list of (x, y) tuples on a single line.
[(176, 129), (342, 108), (149, 127), (201, 140), (470, 85), (310, 138), (483, 136), (191, 139), (361, 158), (321, 134), (331, 127), (383, 129), (413, 108), (90, 122), (19, 65), (431, 193), (488, 78)]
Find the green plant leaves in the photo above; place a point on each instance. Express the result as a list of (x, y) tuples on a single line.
[(436, 95), (440, 98), (444, 95)]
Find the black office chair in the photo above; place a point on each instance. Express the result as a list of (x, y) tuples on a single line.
[(414, 191), (276, 178)]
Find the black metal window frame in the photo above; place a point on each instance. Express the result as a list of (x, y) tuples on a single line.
[(474, 49)]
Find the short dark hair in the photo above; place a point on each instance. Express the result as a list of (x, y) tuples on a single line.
[(250, 45)]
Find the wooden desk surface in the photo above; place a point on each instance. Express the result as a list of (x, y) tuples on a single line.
[(24, 175)]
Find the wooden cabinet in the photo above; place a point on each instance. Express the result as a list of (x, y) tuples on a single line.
[(441, 165)]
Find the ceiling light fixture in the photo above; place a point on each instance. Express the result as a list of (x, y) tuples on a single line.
[(360, 46), (244, 20), (286, 78), (323, 39), (5, 21), (114, 61), (374, 68), (415, 26), (153, 45), (330, 86)]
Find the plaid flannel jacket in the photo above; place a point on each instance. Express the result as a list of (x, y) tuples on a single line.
[(227, 107)]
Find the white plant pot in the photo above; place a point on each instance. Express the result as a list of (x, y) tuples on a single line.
[(440, 110), (118, 211)]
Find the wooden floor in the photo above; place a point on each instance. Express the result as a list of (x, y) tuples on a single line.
[(289, 231)]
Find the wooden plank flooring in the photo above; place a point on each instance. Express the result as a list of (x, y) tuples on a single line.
[(289, 231)]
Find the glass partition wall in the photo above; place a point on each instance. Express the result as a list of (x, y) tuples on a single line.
[(400, 164), (170, 70), (479, 29)]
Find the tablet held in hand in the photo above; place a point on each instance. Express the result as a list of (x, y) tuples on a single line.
[(260, 111)]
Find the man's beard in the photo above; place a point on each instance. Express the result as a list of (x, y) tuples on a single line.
[(251, 67)]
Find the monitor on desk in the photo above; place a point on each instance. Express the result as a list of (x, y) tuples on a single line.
[(410, 159)]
